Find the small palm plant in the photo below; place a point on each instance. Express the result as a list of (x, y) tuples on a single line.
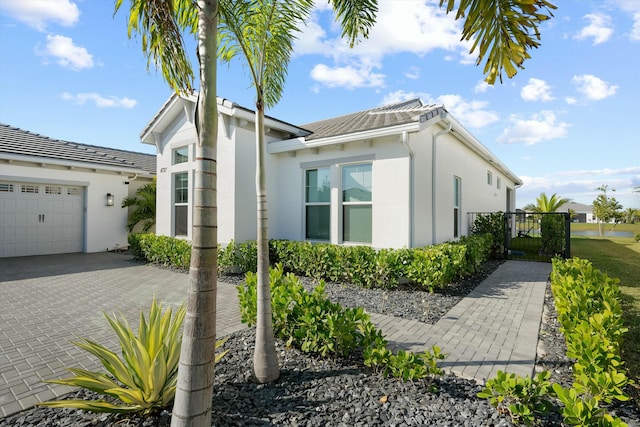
[(144, 204), (144, 379)]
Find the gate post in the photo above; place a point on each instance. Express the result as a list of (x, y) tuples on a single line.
[(507, 236), (567, 235)]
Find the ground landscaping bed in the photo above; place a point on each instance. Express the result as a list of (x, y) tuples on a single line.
[(327, 392)]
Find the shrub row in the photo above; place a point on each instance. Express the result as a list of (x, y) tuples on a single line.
[(312, 323), (590, 317), (430, 266)]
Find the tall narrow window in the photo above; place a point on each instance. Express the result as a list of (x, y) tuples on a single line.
[(489, 178), (181, 203), (457, 202), (317, 204), (356, 203), (498, 183)]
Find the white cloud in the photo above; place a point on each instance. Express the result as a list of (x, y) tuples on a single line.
[(401, 95), (581, 185), (474, 114), (570, 100), (100, 101), (349, 77), (599, 28), (536, 90), (67, 54), (634, 34), (424, 28), (594, 88), (481, 87), (539, 127), (471, 113), (39, 13), (412, 73)]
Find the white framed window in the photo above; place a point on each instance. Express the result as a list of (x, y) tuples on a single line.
[(489, 178), (498, 183), (52, 189), (180, 155), (181, 204), (74, 191), (357, 203), (29, 188), (317, 204), (6, 188), (457, 203)]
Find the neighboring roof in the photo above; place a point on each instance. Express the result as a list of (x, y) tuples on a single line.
[(20, 142), (576, 207), (376, 118)]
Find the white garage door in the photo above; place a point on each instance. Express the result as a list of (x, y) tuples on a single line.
[(39, 219)]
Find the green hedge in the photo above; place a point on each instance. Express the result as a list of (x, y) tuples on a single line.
[(430, 266), (590, 317)]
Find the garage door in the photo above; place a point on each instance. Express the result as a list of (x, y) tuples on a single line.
[(40, 219)]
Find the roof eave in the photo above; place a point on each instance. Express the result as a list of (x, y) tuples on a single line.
[(297, 144), (44, 161)]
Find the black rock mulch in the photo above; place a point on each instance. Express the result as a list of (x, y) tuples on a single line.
[(326, 392)]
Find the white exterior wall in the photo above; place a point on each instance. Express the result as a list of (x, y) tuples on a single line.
[(453, 158), (390, 189), (104, 226)]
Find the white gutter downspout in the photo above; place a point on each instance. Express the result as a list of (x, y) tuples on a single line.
[(405, 142), (434, 138)]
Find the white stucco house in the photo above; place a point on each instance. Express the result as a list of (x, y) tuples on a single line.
[(62, 197), (582, 212), (402, 175)]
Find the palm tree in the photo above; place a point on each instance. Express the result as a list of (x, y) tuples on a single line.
[(144, 204), (631, 215), (161, 22), (546, 204), (263, 32)]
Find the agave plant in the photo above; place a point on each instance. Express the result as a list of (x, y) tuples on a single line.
[(144, 379)]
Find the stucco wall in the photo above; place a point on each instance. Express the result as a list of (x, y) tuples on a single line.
[(104, 226)]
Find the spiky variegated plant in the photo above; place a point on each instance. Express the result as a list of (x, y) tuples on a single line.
[(144, 379)]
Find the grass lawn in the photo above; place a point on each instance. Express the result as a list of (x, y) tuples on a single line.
[(619, 257)]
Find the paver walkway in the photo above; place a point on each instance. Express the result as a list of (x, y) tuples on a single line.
[(48, 300), (494, 328)]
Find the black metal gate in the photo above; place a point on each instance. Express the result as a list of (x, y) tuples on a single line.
[(525, 236)]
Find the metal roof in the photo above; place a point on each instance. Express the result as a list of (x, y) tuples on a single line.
[(376, 118), (17, 141)]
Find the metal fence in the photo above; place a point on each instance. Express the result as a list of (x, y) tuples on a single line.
[(522, 235)]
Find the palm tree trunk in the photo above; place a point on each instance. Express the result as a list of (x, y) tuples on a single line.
[(265, 358), (192, 406)]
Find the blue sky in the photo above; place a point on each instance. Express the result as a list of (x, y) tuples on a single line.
[(567, 124)]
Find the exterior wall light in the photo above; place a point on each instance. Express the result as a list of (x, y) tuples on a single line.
[(109, 199)]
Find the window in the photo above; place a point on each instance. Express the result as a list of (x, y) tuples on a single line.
[(498, 183), (181, 203), (317, 204), (457, 202), (356, 203), (73, 191), (489, 178), (180, 155), (49, 189), (6, 188), (28, 188)]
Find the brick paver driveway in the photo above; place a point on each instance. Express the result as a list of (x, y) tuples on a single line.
[(48, 300)]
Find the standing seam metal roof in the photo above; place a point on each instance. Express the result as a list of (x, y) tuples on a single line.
[(376, 118), (21, 142)]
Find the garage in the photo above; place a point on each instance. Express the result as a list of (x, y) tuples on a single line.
[(40, 219), (63, 197)]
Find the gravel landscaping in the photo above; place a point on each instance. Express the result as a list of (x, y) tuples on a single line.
[(326, 392)]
